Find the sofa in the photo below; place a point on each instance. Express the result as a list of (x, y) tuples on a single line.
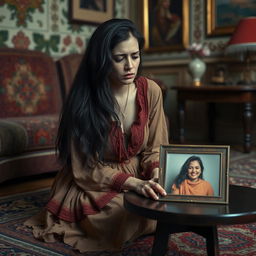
[(67, 67), (30, 104), (33, 88)]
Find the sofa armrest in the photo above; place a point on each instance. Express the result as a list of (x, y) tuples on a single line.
[(13, 138)]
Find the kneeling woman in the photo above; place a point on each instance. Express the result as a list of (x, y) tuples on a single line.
[(109, 137)]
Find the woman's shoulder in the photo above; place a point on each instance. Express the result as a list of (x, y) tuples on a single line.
[(152, 86), (205, 182)]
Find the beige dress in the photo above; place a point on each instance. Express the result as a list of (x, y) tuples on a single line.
[(85, 209)]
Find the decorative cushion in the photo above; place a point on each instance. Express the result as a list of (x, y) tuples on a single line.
[(29, 84)]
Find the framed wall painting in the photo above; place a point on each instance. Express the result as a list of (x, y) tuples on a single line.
[(223, 16), (195, 173), (91, 11), (165, 25)]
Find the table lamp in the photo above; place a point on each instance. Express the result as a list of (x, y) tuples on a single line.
[(243, 42)]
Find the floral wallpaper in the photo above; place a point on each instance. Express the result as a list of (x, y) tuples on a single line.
[(197, 27), (44, 25)]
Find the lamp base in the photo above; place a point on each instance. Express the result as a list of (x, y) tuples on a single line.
[(197, 83)]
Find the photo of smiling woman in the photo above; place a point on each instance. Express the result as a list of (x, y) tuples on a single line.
[(190, 180)]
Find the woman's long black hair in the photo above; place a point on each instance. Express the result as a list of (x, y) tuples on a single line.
[(184, 170), (90, 105)]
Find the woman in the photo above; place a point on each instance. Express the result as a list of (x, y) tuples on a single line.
[(109, 136), (190, 179)]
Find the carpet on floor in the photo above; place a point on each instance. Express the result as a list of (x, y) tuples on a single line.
[(16, 239)]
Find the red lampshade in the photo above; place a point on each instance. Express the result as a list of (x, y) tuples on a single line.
[(244, 36)]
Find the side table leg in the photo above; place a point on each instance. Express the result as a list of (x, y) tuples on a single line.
[(211, 236), (161, 239), (248, 115), (212, 242), (181, 120)]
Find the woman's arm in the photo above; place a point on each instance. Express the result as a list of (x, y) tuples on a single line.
[(157, 132), (101, 177)]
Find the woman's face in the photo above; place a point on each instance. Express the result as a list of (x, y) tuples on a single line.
[(125, 62), (166, 3), (194, 170)]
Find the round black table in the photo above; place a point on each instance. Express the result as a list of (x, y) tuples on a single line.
[(201, 218)]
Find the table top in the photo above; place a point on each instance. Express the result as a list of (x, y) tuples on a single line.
[(206, 87), (216, 93), (241, 209)]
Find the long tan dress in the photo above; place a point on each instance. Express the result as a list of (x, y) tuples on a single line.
[(86, 208)]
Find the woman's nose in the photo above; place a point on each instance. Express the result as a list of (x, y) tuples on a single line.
[(128, 64)]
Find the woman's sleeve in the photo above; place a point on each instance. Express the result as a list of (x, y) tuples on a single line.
[(158, 133), (100, 178)]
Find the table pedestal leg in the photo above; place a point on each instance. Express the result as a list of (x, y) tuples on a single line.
[(247, 127), (163, 230), (161, 239), (211, 236)]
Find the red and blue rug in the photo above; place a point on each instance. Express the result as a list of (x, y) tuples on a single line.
[(17, 240)]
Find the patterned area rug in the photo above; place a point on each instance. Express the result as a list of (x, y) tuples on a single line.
[(242, 169), (15, 239)]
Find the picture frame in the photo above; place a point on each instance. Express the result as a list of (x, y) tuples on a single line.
[(170, 33), (212, 188), (223, 16), (91, 12)]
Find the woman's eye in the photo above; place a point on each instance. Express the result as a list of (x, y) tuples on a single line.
[(135, 57), (118, 59)]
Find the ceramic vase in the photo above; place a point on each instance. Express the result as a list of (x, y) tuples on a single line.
[(197, 69)]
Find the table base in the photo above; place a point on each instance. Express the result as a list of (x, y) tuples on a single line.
[(164, 230)]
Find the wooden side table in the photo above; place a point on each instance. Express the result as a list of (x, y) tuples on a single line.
[(241, 94), (203, 219)]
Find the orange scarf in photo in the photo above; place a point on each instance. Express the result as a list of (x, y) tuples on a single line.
[(198, 188)]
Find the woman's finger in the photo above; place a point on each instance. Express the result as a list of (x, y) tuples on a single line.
[(150, 191), (157, 187)]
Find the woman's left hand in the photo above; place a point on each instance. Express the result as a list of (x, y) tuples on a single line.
[(150, 188)]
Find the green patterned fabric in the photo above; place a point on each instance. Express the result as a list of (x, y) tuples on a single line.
[(13, 138), (41, 130)]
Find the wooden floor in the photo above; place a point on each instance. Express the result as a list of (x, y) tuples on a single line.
[(26, 184)]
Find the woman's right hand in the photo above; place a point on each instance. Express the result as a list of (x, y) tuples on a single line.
[(147, 188)]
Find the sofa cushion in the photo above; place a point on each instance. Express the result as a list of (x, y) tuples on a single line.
[(28, 133), (13, 138), (67, 68), (29, 84)]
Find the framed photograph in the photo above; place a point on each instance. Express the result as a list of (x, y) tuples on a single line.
[(91, 11), (165, 25), (195, 173), (223, 16)]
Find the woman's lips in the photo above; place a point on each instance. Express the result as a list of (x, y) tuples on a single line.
[(128, 76)]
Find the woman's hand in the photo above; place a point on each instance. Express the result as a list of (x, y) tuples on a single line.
[(148, 188)]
